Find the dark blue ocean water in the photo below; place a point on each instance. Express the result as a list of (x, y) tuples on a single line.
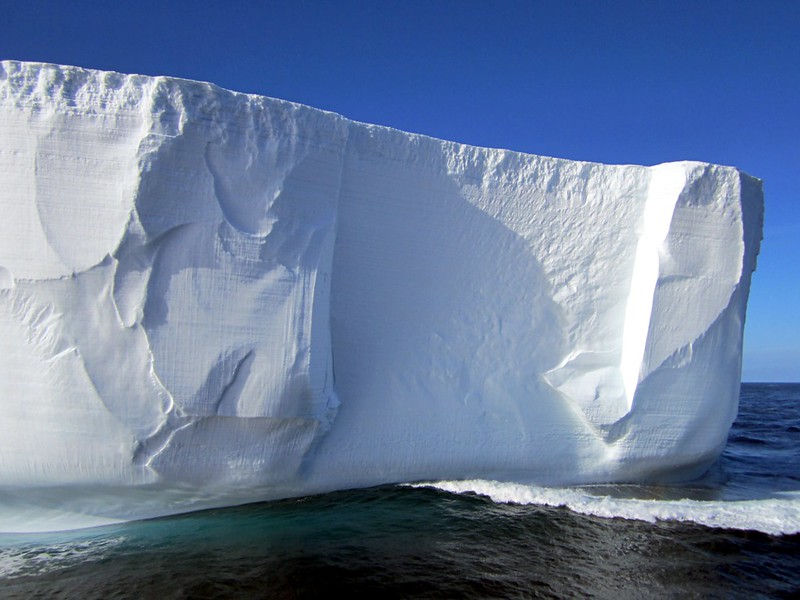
[(719, 537)]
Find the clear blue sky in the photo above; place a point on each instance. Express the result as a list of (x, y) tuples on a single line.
[(617, 82)]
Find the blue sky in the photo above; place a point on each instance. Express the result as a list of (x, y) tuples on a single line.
[(617, 82)]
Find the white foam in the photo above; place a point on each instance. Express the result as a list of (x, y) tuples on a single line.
[(778, 515), (39, 559)]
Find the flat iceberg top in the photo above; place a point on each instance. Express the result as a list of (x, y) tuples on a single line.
[(210, 298)]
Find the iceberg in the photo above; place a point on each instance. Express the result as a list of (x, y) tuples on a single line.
[(209, 298)]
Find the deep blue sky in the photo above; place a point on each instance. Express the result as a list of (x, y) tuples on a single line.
[(618, 82)]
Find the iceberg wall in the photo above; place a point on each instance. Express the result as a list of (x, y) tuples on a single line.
[(210, 298)]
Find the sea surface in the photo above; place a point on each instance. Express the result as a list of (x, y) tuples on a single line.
[(732, 534)]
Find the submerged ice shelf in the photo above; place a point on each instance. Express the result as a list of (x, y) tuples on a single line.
[(210, 298)]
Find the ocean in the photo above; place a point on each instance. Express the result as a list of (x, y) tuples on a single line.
[(735, 533)]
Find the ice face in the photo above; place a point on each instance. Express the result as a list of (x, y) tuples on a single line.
[(209, 298)]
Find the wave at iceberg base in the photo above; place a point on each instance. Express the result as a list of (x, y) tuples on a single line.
[(775, 516), (210, 298)]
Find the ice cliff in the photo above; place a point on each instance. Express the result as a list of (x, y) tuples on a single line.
[(209, 298)]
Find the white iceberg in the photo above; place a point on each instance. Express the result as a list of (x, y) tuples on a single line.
[(209, 298)]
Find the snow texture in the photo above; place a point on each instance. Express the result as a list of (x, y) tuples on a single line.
[(209, 298)]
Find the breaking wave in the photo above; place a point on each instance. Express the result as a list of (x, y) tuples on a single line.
[(777, 515)]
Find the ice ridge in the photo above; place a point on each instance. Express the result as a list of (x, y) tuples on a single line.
[(209, 298)]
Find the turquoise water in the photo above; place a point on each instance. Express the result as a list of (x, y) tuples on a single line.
[(401, 541)]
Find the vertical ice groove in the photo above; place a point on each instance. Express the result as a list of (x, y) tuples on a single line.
[(666, 183), (321, 336)]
